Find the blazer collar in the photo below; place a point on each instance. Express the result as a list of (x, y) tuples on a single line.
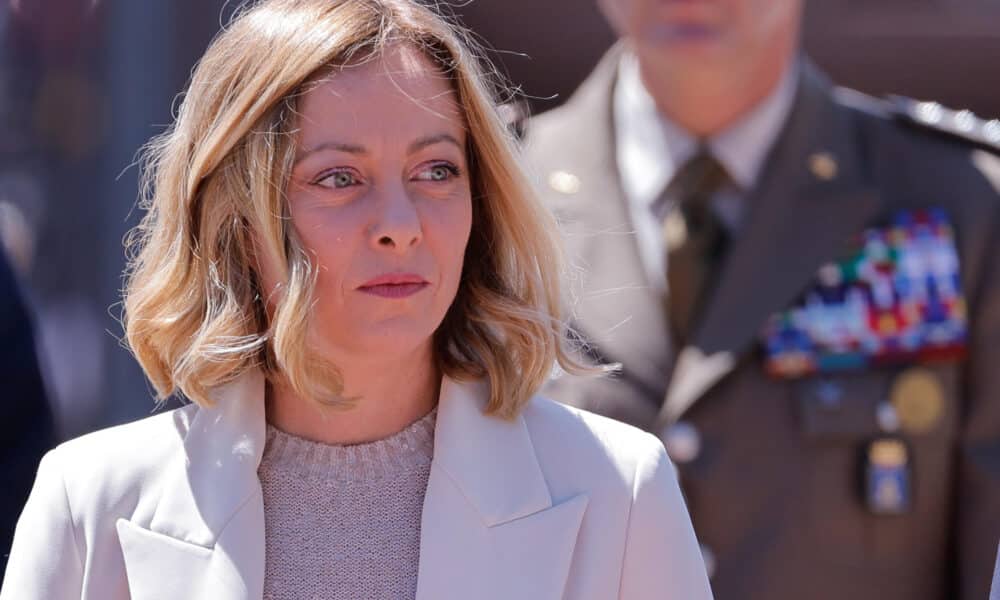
[(206, 536), (486, 457), (488, 512), (486, 495)]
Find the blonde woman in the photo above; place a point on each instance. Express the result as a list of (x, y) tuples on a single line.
[(343, 268)]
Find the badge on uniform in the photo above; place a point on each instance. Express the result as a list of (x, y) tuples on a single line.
[(895, 299), (887, 477)]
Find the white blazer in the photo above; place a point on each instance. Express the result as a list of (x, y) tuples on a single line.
[(558, 504)]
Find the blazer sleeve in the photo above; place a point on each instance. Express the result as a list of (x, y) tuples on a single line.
[(46, 561), (662, 558)]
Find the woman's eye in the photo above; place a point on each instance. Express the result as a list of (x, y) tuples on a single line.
[(438, 172), (338, 179)]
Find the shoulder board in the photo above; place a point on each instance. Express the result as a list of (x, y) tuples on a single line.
[(956, 124)]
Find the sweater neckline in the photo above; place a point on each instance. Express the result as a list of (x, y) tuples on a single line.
[(410, 449)]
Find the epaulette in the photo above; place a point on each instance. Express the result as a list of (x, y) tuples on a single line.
[(958, 124)]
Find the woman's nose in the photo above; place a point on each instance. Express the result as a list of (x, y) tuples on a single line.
[(397, 223)]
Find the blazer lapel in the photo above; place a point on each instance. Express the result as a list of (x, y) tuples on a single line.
[(615, 307), (490, 529), (206, 536), (813, 196)]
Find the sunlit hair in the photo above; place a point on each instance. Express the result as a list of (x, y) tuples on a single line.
[(214, 184)]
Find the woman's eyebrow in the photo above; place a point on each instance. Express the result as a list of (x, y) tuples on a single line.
[(415, 146), (338, 146), (430, 140)]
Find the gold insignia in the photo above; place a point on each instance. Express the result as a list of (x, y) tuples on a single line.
[(564, 182), (823, 165), (675, 230), (918, 398)]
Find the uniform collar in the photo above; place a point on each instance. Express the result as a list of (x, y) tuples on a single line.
[(651, 146)]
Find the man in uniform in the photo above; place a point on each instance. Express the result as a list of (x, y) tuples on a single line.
[(802, 287)]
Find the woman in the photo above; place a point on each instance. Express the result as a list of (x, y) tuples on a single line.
[(343, 268)]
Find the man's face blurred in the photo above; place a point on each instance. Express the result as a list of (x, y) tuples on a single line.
[(702, 33)]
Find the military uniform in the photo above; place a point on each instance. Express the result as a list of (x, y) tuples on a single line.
[(835, 416)]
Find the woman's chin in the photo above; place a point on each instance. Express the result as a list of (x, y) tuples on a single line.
[(399, 337)]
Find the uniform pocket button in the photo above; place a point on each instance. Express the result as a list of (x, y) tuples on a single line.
[(682, 441)]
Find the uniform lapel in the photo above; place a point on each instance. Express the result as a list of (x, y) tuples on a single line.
[(802, 214), (615, 307), (490, 529), (206, 536)]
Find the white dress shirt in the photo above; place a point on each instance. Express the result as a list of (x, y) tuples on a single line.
[(650, 148)]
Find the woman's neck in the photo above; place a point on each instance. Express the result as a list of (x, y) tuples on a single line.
[(388, 396)]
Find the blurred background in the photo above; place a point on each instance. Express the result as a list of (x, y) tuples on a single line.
[(84, 83)]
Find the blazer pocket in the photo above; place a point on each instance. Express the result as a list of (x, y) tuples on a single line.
[(160, 567)]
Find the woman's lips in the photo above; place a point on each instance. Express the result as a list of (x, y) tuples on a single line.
[(393, 290), (394, 285)]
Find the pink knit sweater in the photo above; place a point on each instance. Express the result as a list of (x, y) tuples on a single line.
[(344, 521)]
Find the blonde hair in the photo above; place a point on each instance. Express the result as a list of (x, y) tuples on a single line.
[(214, 183)]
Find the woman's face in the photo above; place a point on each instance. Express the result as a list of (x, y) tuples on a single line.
[(380, 197)]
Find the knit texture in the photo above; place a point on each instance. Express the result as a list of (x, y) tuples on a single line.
[(343, 522)]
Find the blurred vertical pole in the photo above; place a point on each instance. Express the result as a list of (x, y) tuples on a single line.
[(142, 86)]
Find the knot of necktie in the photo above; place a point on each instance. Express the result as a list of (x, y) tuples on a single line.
[(694, 237)]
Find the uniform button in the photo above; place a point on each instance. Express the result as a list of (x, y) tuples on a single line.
[(830, 395), (930, 112), (709, 558), (992, 130), (965, 120), (887, 418), (683, 442)]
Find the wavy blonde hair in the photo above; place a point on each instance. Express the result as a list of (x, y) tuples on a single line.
[(214, 185)]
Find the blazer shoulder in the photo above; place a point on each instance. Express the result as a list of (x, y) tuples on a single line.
[(609, 451), (150, 435), (107, 464)]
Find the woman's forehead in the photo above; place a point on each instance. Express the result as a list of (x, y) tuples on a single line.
[(402, 74), (393, 88)]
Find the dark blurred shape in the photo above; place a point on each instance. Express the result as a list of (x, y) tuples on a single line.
[(57, 25), (26, 426)]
